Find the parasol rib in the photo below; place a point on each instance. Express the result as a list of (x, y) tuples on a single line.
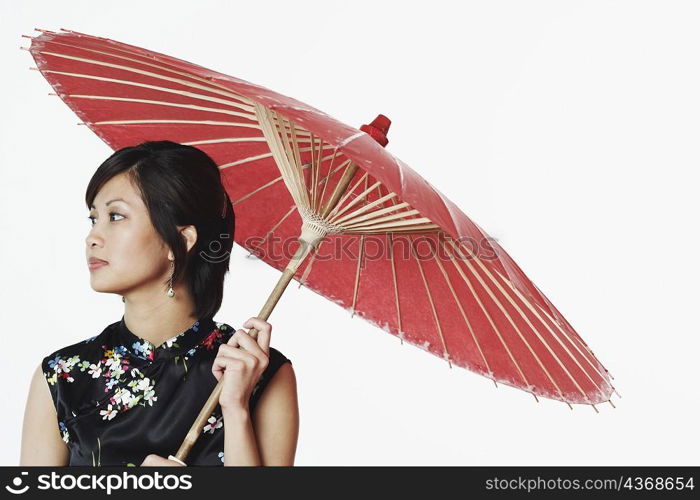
[(446, 354), (209, 85), (527, 320), (487, 315), (185, 83), (464, 315), (507, 315), (537, 315)]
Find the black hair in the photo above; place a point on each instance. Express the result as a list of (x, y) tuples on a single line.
[(180, 185)]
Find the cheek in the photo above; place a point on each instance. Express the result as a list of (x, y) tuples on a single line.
[(137, 253)]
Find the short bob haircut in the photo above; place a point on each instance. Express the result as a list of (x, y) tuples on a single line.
[(180, 185)]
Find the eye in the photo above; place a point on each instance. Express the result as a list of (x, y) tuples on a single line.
[(92, 219)]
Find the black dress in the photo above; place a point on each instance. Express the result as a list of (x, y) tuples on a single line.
[(119, 398)]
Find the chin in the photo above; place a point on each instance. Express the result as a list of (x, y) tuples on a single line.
[(102, 285)]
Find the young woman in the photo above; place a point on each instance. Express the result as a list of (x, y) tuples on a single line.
[(161, 234)]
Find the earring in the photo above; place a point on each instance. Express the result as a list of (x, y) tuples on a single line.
[(123, 299), (171, 292)]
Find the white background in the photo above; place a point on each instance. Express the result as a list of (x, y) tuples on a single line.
[(567, 130)]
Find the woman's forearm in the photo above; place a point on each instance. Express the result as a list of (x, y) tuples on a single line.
[(240, 444)]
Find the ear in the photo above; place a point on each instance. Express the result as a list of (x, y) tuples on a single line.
[(190, 235)]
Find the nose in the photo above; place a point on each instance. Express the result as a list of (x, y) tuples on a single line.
[(93, 238)]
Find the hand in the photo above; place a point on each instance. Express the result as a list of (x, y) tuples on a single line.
[(242, 366), (153, 460)]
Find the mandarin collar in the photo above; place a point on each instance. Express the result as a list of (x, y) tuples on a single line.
[(178, 344)]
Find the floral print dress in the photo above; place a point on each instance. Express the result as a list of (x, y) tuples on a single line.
[(119, 398)]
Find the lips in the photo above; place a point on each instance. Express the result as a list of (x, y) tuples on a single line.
[(95, 263)]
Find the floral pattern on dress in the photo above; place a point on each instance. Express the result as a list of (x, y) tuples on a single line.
[(211, 341), (147, 350), (62, 368), (64, 432), (139, 391), (213, 423)]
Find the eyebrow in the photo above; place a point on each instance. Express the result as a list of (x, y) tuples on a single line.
[(110, 201)]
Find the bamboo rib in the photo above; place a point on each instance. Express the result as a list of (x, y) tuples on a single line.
[(534, 330), (342, 184), (446, 354), (264, 186), (364, 208), (372, 222), (421, 229), (256, 190), (572, 335), (396, 287), (295, 145), (326, 180), (486, 314), (390, 242), (284, 141), (185, 83), (319, 163), (464, 315), (359, 265), (290, 174), (353, 202), (161, 103), (291, 209), (376, 213), (498, 303), (524, 300), (397, 224), (357, 274), (250, 159), (347, 194), (277, 124), (235, 139), (184, 93), (209, 85), (168, 120), (314, 171), (556, 337)]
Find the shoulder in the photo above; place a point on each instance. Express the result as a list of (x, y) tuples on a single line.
[(64, 362)]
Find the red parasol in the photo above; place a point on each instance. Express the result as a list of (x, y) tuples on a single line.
[(380, 240)]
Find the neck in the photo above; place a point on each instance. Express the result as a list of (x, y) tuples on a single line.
[(155, 317)]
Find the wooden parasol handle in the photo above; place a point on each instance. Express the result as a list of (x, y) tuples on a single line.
[(308, 239)]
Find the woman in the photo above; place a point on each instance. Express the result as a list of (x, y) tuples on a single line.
[(161, 235)]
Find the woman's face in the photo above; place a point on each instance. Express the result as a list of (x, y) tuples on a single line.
[(122, 234)]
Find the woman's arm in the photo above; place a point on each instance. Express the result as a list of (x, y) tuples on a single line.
[(269, 436), (41, 440)]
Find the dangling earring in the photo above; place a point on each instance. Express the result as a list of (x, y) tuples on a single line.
[(171, 292), (123, 299)]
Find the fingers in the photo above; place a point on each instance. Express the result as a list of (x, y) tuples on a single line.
[(253, 351), (264, 332), (230, 357)]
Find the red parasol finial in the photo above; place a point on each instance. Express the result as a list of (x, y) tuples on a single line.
[(378, 129)]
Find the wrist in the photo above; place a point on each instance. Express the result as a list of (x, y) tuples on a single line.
[(236, 411)]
